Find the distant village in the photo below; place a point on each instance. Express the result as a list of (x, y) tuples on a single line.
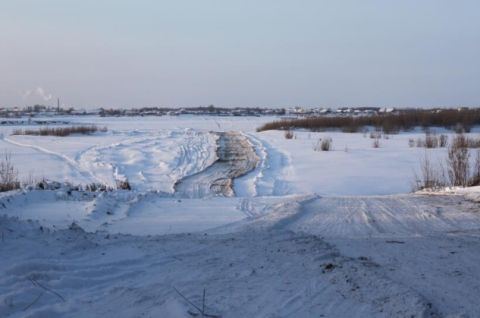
[(297, 111)]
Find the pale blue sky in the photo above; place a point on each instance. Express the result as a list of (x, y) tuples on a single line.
[(240, 53)]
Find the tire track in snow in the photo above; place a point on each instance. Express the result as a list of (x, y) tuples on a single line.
[(246, 274), (387, 216), (236, 158), (70, 162)]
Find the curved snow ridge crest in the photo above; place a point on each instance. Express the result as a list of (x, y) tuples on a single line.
[(152, 162), (271, 175)]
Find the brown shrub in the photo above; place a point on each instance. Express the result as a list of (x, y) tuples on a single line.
[(288, 134), (432, 177), (60, 131), (390, 123), (443, 141), (432, 141), (8, 174), (123, 185), (475, 179), (473, 142), (458, 161), (323, 144)]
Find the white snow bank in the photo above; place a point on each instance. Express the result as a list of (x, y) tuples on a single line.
[(150, 161), (132, 213), (249, 274), (470, 193)]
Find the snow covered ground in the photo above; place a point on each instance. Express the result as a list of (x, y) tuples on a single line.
[(302, 233), (151, 161), (155, 152)]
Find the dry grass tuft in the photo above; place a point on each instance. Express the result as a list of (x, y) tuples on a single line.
[(8, 174), (459, 120), (289, 134), (60, 131), (323, 144)]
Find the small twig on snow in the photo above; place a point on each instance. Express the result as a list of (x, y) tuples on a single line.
[(187, 300), (35, 283), (203, 302), (395, 242), (34, 301), (202, 311)]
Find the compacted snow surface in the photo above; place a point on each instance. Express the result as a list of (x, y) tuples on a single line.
[(261, 225)]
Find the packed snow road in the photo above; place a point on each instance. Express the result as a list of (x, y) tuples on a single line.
[(300, 257), (236, 157)]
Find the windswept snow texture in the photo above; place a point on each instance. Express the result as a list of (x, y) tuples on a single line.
[(152, 162), (269, 264), (134, 213), (149, 161), (429, 243), (156, 152), (386, 216), (264, 226)]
